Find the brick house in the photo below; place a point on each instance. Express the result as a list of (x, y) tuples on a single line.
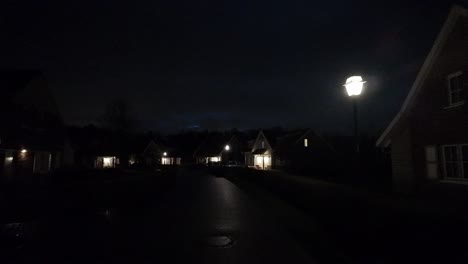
[(32, 136), (429, 135)]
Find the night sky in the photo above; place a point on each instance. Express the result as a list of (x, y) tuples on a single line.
[(223, 64)]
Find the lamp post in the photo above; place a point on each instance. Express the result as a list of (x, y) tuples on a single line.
[(354, 86)]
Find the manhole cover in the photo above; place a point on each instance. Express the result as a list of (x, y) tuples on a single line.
[(218, 241)]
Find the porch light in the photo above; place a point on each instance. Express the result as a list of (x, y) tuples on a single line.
[(165, 154), (227, 147), (24, 151)]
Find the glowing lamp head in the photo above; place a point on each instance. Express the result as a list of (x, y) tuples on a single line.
[(227, 147), (354, 85), (165, 154), (24, 151)]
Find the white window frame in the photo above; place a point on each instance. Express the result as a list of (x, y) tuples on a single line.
[(459, 161), (449, 89)]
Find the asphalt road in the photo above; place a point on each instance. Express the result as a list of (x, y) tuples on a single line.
[(201, 219)]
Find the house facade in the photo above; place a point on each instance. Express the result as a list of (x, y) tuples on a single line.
[(157, 154), (221, 149), (429, 135), (262, 155), (32, 135), (297, 149)]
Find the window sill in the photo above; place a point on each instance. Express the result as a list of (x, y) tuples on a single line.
[(455, 181), (454, 105)]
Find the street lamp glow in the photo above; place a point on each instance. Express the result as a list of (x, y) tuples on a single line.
[(227, 148), (354, 85), (165, 154)]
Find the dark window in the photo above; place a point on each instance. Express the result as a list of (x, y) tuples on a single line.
[(455, 89), (456, 161)]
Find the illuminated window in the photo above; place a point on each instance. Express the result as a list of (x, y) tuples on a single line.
[(8, 159), (215, 159), (306, 144), (108, 162), (262, 161), (456, 93), (166, 161)]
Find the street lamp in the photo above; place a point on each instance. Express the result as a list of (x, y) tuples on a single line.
[(354, 86)]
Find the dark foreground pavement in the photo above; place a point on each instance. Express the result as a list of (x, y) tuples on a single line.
[(201, 219), (357, 226)]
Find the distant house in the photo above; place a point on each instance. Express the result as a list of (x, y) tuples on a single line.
[(303, 149), (101, 148), (32, 136), (95, 147), (106, 162), (261, 156), (220, 149), (429, 135), (157, 154), (298, 149)]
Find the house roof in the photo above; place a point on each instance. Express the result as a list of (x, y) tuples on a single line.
[(315, 142), (456, 11), (13, 81), (272, 135)]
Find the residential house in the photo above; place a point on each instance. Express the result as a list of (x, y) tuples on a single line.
[(95, 147), (262, 154), (220, 149), (158, 154), (304, 149), (429, 135), (297, 149), (102, 149), (233, 152), (32, 136), (185, 145)]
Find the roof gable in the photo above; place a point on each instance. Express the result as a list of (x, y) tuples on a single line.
[(27, 88), (455, 13), (14, 81), (258, 142), (152, 148)]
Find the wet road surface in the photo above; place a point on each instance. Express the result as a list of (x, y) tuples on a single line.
[(202, 219)]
